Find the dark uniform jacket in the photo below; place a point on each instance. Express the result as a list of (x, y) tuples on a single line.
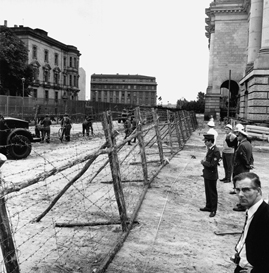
[(257, 240), (243, 157), (211, 163)]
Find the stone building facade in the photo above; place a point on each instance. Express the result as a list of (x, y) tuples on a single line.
[(126, 89), (55, 65), (238, 34)]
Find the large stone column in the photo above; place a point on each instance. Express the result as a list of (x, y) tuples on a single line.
[(265, 27), (211, 63), (255, 30)]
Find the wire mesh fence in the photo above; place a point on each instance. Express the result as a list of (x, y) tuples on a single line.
[(69, 206)]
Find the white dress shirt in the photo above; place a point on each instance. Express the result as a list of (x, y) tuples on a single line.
[(241, 247)]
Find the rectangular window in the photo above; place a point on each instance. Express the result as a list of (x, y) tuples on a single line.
[(75, 62), (70, 80), (34, 52), (46, 76), (56, 95), (64, 61), (46, 56), (56, 59), (70, 62), (46, 94), (75, 81), (64, 79), (35, 93)]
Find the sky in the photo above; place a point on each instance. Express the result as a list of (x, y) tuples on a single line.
[(163, 39)]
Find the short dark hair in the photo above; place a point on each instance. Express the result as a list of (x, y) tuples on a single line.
[(252, 176)]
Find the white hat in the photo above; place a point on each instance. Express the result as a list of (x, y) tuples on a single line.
[(211, 123), (229, 126), (239, 127), (242, 132)]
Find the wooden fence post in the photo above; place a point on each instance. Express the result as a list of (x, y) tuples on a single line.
[(6, 240), (186, 123), (115, 169), (176, 118), (169, 130), (141, 144), (181, 126), (158, 136)]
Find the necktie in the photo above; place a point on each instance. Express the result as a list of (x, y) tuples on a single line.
[(240, 243)]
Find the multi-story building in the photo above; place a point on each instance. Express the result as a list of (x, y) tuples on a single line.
[(55, 65), (239, 61), (125, 89)]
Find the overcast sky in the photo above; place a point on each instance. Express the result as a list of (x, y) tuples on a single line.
[(163, 39)]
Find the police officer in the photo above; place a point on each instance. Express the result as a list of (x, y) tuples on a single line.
[(210, 174)]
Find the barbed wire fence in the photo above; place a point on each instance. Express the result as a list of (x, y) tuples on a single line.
[(72, 209)]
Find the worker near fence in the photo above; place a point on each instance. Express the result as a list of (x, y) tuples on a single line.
[(134, 124), (210, 174), (212, 131), (45, 133), (128, 129), (87, 126), (252, 248), (66, 124)]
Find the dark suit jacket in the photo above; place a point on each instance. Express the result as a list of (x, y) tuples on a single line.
[(211, 163), (257, 240)]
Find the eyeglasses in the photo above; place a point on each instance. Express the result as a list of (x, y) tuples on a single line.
[(244, 190)]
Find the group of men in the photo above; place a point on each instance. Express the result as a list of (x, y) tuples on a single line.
[(42, 129), (252, 248)]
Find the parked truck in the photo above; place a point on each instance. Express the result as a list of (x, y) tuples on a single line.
[(15, 138)]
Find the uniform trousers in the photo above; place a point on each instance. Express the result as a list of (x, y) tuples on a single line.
[(211, 194), (227, 159)]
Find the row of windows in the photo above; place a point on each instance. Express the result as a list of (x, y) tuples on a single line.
[(128, 100), (123, 80), (73, 62), (116, 93), (73, 79), (141, 87), (46, 94)]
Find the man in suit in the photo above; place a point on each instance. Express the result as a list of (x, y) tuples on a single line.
[(210, 174), (252, 249)]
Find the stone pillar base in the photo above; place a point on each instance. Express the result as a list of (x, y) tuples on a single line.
[(212, 106)]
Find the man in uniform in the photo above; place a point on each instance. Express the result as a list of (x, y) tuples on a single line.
[(210, 174)]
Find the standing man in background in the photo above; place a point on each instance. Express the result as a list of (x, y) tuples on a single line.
[(212, 131), (46, 122), (66, 125), (228, 155)]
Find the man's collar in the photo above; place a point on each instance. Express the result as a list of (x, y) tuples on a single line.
[(254, 208)]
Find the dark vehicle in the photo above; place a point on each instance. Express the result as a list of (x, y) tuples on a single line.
[(125, 114), (15, 138)]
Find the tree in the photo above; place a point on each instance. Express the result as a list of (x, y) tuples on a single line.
[(197, 106), (13, 63)]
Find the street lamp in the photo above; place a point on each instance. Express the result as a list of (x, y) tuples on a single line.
[(23, 80)]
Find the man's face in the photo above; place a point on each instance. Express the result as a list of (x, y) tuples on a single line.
[(227, 130), (240, 136), (207, 143), (247, 193)]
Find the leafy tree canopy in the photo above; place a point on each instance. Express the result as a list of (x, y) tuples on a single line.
[(13, 63), (196, 106)]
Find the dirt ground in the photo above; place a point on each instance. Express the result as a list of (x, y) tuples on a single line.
[(173, 235)]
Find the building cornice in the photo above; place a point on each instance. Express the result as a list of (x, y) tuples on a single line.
[(41, 35), (228, 7)]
